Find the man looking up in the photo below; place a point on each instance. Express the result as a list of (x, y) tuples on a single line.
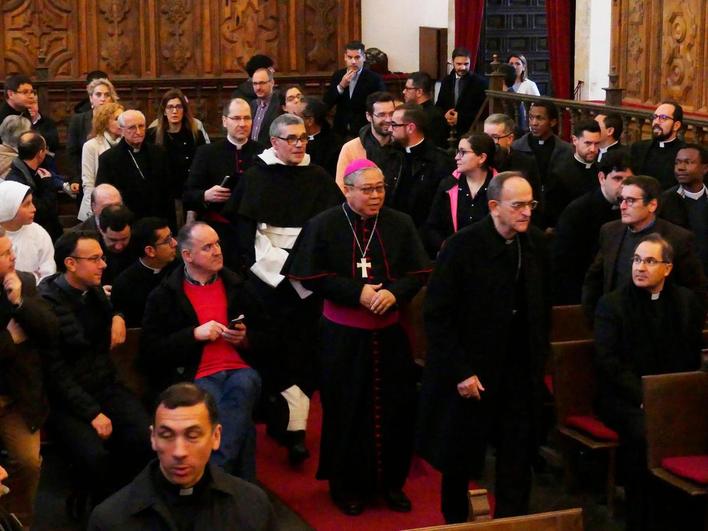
[(686, 204), (374, 140), (349, 89), (188, 335), (181, 490), (656, 156), (461, 92)]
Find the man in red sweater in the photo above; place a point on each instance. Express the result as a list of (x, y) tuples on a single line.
[(194, 329)]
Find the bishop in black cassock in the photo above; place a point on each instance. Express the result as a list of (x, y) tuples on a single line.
[(365, 261)]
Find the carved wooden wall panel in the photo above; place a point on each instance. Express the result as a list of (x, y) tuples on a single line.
[(660, 48), (133, 39)]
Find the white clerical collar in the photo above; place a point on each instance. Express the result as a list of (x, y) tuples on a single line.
[(154, 271), (692, 195), (655, 296), (238, 145), (408, 148), (604, 150), (663, 143), (587, 165)]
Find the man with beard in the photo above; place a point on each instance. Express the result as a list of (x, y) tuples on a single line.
[(266, 107), (686, 204), (419, 89), (365, 260), (482, 380), (374, 140), (575, 173), (461, 92), (655, 157), (423, 166), (271, 203)]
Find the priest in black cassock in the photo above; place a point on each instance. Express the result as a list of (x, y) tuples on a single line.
[(272, 201), (365, 260)]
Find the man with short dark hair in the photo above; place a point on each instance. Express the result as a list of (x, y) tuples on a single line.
[(94, 417), (366, 260), (139, 170), (686, 204), (611, 269), (546, 147), (575, 173), (245, 90), (190, 334), (31, 151), (575, 241), (323, 144), (271, 203), (483, 376), (114, 229), (349, 89), (611, 127), (152, 240), (656, 156), (648, 326), (18, 95), (374, 141), (420, 88), (461, 92), (181, 490), (217, 169), (423, 164), (266, 107), (26, 324)]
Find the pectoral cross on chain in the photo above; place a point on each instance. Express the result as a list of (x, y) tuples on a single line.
[(364, 265)]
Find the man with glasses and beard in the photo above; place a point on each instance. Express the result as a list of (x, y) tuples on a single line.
[(656, 156)]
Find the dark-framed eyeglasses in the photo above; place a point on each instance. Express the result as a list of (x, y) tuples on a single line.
[(497, 138), (167, 241), (394, 124), (649, 261), (629, 200), (462, 152), (93, 259), (175, 107), (292, 140), (661, 117)]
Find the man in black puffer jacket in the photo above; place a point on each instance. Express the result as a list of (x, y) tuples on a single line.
[(101, 424)]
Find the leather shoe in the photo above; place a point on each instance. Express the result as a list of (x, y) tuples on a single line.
[(397, 501), (349, 505)]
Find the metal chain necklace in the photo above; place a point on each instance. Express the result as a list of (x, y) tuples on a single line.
[(363, 264)]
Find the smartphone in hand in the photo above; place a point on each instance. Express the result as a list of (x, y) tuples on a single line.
[(238, 320)]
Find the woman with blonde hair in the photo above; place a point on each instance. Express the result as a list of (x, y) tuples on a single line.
[(105, 133)]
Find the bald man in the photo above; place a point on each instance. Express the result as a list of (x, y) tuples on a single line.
[(102, 196), (139, 170)]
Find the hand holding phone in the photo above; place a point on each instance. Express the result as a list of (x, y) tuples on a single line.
[(238, 320)]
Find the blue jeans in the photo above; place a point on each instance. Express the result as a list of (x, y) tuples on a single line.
[(236, 393)]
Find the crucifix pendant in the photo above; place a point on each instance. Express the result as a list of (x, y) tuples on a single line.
[(364, 265)]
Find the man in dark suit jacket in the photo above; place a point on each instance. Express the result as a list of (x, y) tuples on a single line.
[(349, 89), (611, 128), (419, 89), (266, 107), (612, 267), (656, 156), (461, 92), (139, 170), (686, 204)]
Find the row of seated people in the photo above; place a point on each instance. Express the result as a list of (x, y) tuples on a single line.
[(186, 334)]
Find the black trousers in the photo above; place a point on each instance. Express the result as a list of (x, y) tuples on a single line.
[(104, 466), (512, 434)]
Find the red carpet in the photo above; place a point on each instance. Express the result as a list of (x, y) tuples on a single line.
[(309, 497)]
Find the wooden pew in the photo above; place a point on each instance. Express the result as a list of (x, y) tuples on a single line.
[(676, 409), (124, 358), (566, 520), (574, 393), (568, 323)]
